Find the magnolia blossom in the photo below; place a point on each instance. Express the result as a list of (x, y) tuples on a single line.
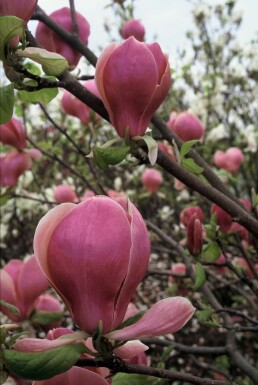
[(64, 193), (12, 166), (133, 79), (23, 9), (52, 42), (230, 160), (75, 244), (95, 254), (151, 179), (186, 125), (13, 133), (133, 28), (21, 283), (75, 107)]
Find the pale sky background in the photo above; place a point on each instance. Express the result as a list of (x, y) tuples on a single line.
[(168, 20)]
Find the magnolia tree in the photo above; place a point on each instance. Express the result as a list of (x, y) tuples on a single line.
[(129, 203)]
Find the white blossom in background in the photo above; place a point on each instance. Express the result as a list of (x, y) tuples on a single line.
[(237, 16), (217, 133), (201, 11), (118, 183), (250, 134), (165, 212)]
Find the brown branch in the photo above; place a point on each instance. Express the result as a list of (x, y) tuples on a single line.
[(120, 366)]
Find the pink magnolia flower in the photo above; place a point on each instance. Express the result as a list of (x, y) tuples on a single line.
[(75, 107), (167, 149), (229, 160), (13, 133), (243, 266), (74, 244), (21, 283), (50, 41), (23, 9), (187, 213), (133, 28), (194, 235), (12, 166), (186, 125), (224, 220), (64, 193), (151, 179), (133, 79)]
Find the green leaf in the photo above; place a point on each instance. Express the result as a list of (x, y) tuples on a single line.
[(128, 379), (44, 96), (190, 165), (186, 147), (52, 63), (46, 317), (6, 103), (104, 157), (11, 308), (9, 26), (42, 365), (200, 276), (3, 334), (152, 146), (211, 252), (203, 315), (4, 198)]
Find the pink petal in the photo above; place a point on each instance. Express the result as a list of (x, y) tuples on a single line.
[(8, 293), (41, 345), (74, 376), (130, 349), (32, 282), (139, 260), (166, 316)]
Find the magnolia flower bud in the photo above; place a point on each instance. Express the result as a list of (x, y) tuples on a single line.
[(187, 213), (13, 133), (52, 42), (64, 193), (23, 9), (151, 179), (133, 28), (194, 235), (133, 79), (186, 125), (74, 243)]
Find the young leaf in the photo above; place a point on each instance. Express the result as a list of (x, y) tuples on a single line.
[(11, 308), (152, 146), (43, 96), (211, 252), (186, 147), (52, 63), (109, 156), (200, 276), (6, 103), (9, 26), (129, 379), (42, 365), (190, 165)]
